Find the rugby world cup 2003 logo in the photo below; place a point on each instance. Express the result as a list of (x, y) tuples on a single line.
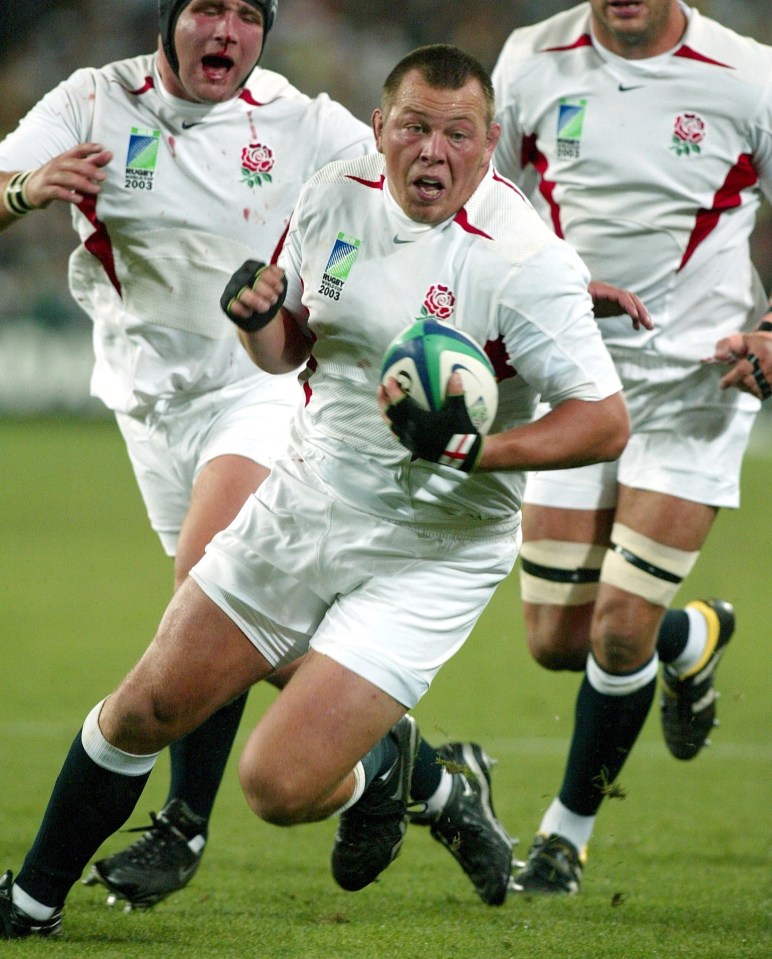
[(339, 264), (141, 158), (688, 133), (257, 161), (571, 114)]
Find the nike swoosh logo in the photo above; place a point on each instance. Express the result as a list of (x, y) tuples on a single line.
[(187, 871), (187, 124), (622, 88), (398, 240)]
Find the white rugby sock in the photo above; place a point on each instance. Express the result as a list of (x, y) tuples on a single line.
[(570, 825), (359, 788), (31, 906)]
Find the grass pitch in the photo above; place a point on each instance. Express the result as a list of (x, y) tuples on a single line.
[(678, 868)]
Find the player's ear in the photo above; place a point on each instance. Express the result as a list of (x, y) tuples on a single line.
[(492, 139), (377, 122)]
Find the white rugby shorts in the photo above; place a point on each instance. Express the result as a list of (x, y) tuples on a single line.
[(169, 447), (688, 440), (390, 602)]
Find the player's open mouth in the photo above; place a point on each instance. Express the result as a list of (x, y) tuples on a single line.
[(216, 66), (429, 187)]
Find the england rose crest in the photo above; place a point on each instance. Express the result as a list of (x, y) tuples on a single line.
[(257, 161), (439, 302), (688, 133)]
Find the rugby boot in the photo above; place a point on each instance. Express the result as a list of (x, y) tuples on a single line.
[(16, 924), (554, 867), (467, 825), (688, 703), (371, 832), (162, 861)]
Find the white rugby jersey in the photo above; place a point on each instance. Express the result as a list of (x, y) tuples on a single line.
[(651, 169), (359, 271), (192, 191)]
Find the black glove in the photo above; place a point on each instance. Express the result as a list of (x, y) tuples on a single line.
[(761, 381), (245, 277), (447, 437)]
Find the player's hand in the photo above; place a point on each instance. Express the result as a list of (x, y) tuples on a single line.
[(751, 354), (254, 295), (447, 437), (610, 300), (71, 176)]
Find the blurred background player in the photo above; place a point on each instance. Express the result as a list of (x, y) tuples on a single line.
[(178, 164), (641, 131)]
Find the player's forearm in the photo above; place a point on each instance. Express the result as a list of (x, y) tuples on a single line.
[(279, 347), (576, 433)]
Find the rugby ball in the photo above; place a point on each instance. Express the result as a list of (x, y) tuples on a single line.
[(422, 358)]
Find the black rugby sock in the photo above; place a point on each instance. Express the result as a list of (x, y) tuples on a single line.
[(198, 760), (380, 759), (673, 635), (605, 729), (87, 804), (427, 773)]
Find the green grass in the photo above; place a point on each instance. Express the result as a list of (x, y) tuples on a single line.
[(679, 868)]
